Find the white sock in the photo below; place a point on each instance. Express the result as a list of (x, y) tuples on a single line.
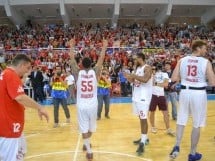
[(143, 138), (87, 144)]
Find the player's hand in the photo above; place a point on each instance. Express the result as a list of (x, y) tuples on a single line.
[(72, 43), (116, 43), (43, 113), (129, 77)]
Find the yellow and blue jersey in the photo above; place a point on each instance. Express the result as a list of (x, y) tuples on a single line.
[(103, 87), (59, 90)]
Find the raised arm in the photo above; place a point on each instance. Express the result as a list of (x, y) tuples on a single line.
[(99, 63), (73, 63)]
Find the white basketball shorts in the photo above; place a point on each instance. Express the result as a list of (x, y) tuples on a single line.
[(192, 103), (12, 149), (87, 117), (140, 109)]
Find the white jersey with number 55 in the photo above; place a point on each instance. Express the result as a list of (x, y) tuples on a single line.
[(87, 89), (192, 71)]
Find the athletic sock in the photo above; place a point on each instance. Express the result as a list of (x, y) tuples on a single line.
[(143, 138)]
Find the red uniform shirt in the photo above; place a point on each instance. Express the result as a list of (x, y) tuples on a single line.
[(11, 112)]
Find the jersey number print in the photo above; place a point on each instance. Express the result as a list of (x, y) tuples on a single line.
[(192, 70), (86, 86), (16, 127)]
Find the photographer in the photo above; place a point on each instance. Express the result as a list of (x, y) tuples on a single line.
[(59, 95), (103, 93)]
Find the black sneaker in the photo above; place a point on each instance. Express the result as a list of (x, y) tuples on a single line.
[(107, 117), (140, 149), (147, 142), (89, 156), (136, 142)]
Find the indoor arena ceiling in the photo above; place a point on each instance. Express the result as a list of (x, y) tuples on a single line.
[(89, 11)]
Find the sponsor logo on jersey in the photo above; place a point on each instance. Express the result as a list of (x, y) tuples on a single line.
[(20, 89)]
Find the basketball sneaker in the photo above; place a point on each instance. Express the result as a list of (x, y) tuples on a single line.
[(140, 149), (174, 153), (56, 125), (136, 142), (154, 130), (194, 157), (147, 142), (89, 156), (107, 116), (170, 132), (68, 120)]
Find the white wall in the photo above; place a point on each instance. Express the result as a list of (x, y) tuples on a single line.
[(1, 2), (194, 2), (90, 1), (22, 2), (175, 2)]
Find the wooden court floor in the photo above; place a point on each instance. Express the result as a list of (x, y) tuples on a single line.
[(113, 140)]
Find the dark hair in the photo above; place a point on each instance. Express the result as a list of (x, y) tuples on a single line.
[(141, 55), (159, 66), (198, 43), (19, 59), (167, 62), (86, 62)]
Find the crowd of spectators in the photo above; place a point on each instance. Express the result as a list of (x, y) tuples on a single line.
[(48, 45)]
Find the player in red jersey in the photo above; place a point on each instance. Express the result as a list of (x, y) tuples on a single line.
[(13, 102)]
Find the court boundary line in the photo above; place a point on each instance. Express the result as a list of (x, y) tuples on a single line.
[(95, 151), (77, 147)]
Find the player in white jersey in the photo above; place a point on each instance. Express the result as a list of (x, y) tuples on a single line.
[(192, 71), (87, 102), (141, 97)]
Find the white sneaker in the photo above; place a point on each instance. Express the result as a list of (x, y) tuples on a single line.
[(56, 125), (154, 130), (67, 120), (170, 132)]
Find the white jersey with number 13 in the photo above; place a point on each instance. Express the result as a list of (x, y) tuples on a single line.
[(193, 71)]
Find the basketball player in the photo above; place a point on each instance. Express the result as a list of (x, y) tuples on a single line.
[(141, 96), (87, 102), (193, 71), (13, 102)]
